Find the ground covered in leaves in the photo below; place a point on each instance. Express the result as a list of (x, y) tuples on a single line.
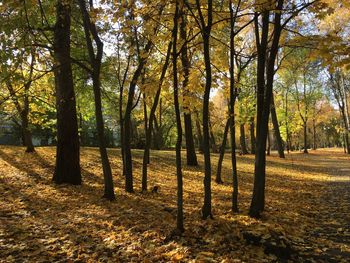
[(307, 217)]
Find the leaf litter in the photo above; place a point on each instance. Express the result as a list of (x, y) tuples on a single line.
[(307, 215)]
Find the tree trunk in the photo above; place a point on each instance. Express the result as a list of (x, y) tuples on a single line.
[(206, 29), (146, 127), (25, 111), (67, 169), (305, 137), (212, 139), (242, 139), (314, 145), (218, 178), (152, 118), (199, 135), (268, 151), (252, 135), (264, 95), (107, 172), (276, 129), (233, 95), (346, 130), (190, 149), (129, 182), (179, 217), (347, 143), (95, 62), (27, 135)]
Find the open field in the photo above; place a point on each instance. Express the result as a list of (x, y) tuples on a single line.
[(307, 211)]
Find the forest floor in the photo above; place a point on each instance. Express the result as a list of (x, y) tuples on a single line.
[(307, 217)]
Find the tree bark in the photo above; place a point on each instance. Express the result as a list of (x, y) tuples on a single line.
[(28, 142), (67, 169), (199, 135), (218, 178), (191, 156), (95, 62), (146, 127), (268, 150), (305, 137), (242, 139), (190, 148), (264, 95), (252, 135), (314, 144), (23, 112), (152, 119), (212, 139), (233, 95), (205, 31), (276, 129), (129, 185), (179, 217)]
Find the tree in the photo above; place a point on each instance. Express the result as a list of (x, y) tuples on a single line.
[(265, 74), (337, 85), (92, 39), (205, 26), (152, 118), (179, 217), (190, 148), (23, 109), (266, 59), (306, 94), (67, 169), (142, 56), (276, 129)]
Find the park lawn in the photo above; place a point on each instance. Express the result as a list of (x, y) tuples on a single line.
[(307, 216)]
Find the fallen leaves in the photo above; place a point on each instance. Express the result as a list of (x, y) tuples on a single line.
[(306, 217)]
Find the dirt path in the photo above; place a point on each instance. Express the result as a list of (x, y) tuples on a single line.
[(331, 212)]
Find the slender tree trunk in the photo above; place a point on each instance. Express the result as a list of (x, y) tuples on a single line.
[(199, 135), (107, 171), (265, 90), (191, 156), (314, 144), (129, 182), (179, 218), (157, 135), (25, 111), (252, 135), (212, 139), (190, 148), (305, 137), (258, 199), (67, 169), (242, 139), (233, 95), (268, 151), (276, 129), (27, 135), (218, 178), (95, 62), (346, 130), (206, 29), (287, 124), (347, 144), (152, 119), (147, 125)]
